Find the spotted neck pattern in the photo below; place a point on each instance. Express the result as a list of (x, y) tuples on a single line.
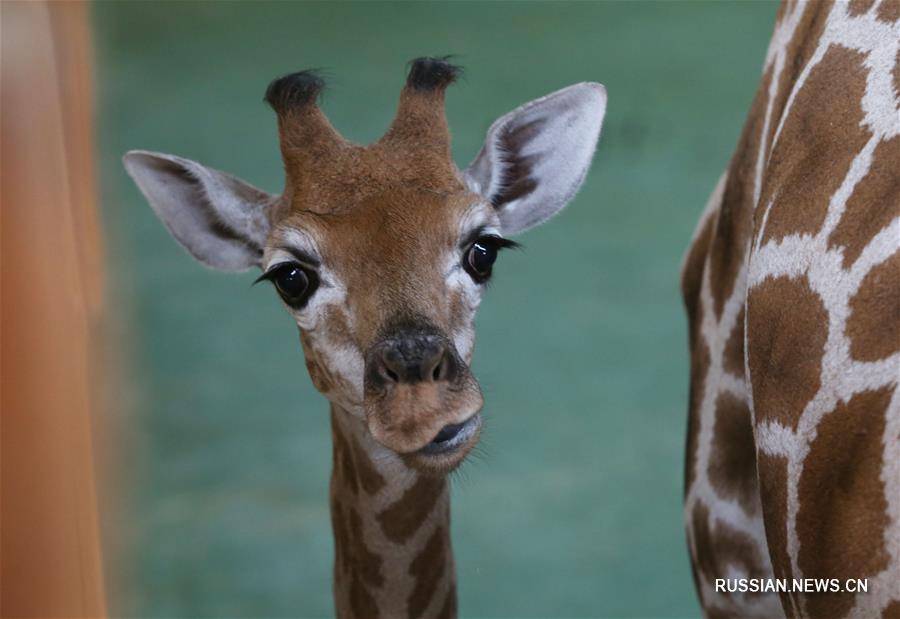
[(792, 287), (391, 531)]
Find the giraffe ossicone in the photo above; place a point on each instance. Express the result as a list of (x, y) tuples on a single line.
[(380, 254)]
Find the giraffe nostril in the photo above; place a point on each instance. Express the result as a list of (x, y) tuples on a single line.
[(440, 369), (420, 355), (445, 370), (412, 360)]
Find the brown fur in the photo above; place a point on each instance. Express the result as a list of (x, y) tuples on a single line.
[(399, 520), (874, 323), (773, 485), (782, 416), (326, 174), (380, 253), (800, 178), (395, 236), (789, 326), (397, 205), (392, 551), (844, 507), (732, 466), (427, 568), (383, 218), (873, 203)]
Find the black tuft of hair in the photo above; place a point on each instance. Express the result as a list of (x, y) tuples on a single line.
[(430, 73), (294, 90)]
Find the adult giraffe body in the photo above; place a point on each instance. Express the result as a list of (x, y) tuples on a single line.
[(380, 254), (792, 286)]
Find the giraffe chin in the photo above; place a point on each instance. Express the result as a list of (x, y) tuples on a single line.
[(431, 426)]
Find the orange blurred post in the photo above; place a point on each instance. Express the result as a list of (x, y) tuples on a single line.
[(50, 309)]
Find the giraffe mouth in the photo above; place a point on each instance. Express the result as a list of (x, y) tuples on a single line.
[(453, 437)]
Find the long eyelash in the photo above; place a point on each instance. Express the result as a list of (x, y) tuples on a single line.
[(265, 276), (498, 241), (503, 243), (479, 233)]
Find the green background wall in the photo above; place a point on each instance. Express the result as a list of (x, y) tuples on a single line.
[(574, 506)]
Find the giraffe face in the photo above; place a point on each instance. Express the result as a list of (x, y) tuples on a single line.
[(381, 252), (385, 294)]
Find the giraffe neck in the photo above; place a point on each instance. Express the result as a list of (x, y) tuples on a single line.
[(391, 531)]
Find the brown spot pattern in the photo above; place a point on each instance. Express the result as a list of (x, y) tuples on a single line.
[(721, 547), (874, 322), (426, 569), (820, 138), (874, 203), (773, 490), (786, 333), (733, 355), (732, 464), (352, 466), (318, 374), (734, 222), (888, 11), (336, 324), (797, 55), (691, 283), (344, 470), (704, 561), (841, 493), (355, 567), (369, 478), (842, 517), (400, 520), (783, 8), (692, 274), (897, 72), (891, 611), (858, 7), (699, 369)]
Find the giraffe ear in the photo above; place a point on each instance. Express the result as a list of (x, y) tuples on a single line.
[(221, 220), (535, 158)]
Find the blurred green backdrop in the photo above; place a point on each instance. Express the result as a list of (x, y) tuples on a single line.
[(575, 509)]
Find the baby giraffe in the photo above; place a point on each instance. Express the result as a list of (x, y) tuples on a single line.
[(380, 254)]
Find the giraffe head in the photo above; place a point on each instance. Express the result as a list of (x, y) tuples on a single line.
[(380, 252)]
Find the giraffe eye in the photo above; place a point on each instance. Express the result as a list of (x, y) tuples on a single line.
[(480, 258), (294, 283), (481, 254)]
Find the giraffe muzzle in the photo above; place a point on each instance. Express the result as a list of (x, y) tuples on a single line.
[(420, 398)]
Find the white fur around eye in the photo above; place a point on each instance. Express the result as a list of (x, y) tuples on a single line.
[(330, 291), (480, 216), (338, 355), (459, 280)]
